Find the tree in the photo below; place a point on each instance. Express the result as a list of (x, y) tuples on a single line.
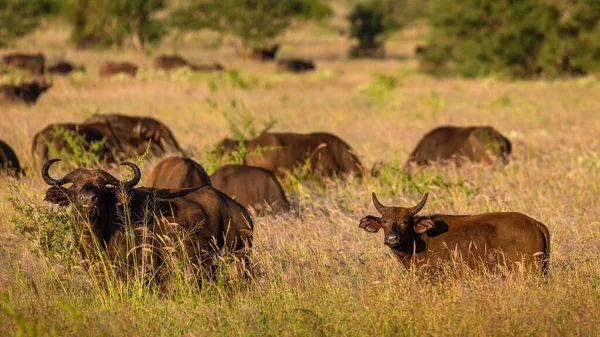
[(110, 22), (18, 18), (517, 39), (255, 22), (370, 22)]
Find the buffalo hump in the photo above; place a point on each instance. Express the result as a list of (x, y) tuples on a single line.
[(178, 172)]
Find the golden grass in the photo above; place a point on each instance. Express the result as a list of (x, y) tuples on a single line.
[(317, 273)]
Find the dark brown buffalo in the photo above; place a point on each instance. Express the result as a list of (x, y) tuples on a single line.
[(454, 144), (64, 68), (113, 68), (34, 63), (171, 62), (252, 187), (295, 65), (325, 153), (9, 163), (264, 54), (53, 141), (25, 92), (178, 172), (197, 222), (143, 129), (483, 240)]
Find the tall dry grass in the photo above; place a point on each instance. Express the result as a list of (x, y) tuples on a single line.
[(316, 272)]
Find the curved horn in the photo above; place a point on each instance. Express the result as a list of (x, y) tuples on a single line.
[(377, 204), (415, 209), (109, 178), (137, 175), (46, 176)]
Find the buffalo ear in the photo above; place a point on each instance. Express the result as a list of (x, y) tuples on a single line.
[(423, 225), (370, 224), (58, 195)]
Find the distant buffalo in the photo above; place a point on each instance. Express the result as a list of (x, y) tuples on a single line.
[(9, 163), (57, 139), (110, 68), (25, 92), (252, 187), (34, 63), (64, 68), (295, 65), (144, 130), (485, 241), (171, 62), (178, 172), (453, 144), (264, 54), (324, 153)]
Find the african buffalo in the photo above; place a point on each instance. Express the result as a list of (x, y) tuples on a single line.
[(145, 129), (178, 172), (64, 68), (325, 153), (113, 68), (483, 240), (295, 65), (34, 63), (252, 187), (9, 163), (25, 92), (171, 62), (453, 144), (143, 231), (264, 54)]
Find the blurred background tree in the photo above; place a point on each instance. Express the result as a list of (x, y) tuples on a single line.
[(19, 17), (516, 39), (105, 23), (257, 23)]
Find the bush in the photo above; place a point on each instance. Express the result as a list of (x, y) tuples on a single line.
[(517, 39), (104, 23), (255, 22), (18, 18), (369, 23)]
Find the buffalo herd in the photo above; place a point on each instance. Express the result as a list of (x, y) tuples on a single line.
[(212, 214)]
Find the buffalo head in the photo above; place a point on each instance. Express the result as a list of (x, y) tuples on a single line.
[(398, 223), (91, 190)]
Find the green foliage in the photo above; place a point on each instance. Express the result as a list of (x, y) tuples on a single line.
[(232, 79), (50, 232), (370, 22), (523, 39), (394, 178), (18, 18), (104, 22), (78, 150), (380, 87), (255, 22)]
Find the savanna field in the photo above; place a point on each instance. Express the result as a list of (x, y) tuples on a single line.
[(316, 272)]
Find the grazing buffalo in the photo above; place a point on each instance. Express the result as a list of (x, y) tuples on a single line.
[(34, 63), (144, 231), (178, 172), (9, 163), (59, 139), (264, 54), (325, 153), (25, 92), (252, 187), (295, 65), (483, 240), (452, 143), (64, 68), (144, 129), (171, 62), (113, 68)]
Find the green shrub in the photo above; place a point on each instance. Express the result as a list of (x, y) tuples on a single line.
[(78, 149), (18, 18), (370, 22), (516, 39), (380, 87)]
